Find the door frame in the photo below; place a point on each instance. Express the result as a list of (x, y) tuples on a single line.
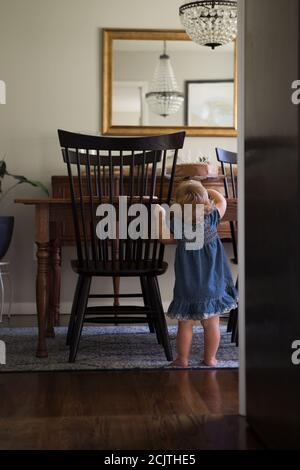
[(241, 205)]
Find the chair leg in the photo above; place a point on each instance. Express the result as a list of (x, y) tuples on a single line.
[(151, 303), (161, 320), (234, 244), (235, 328), (234, 334), (74, 309), (82, 305), (230, 322), (147, 301)]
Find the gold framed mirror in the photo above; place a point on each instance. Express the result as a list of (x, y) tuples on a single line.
[(204, 84)]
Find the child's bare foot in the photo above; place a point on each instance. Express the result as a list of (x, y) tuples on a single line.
[(179, 363), (210, 362)]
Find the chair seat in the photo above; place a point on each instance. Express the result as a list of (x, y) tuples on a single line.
[(120, 268)]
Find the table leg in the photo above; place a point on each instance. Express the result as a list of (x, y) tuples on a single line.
[(42, 235), (55, 281), (42, 296), (116, 280), (116, 283), (50, 333)]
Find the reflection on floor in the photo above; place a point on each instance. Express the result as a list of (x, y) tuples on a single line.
[(179, 410)]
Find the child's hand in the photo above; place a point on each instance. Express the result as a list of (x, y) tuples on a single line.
[(219, 200)]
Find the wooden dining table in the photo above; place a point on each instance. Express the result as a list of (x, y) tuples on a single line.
[(50, 215)]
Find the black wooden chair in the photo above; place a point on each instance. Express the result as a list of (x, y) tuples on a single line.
[(228, 161), (100, 170)]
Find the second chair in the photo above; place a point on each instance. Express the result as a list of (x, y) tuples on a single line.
[(228, 161)]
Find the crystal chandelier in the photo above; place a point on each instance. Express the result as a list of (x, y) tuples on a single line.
[(210, 23), (164, 97)]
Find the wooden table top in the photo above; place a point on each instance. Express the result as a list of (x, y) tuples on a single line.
[(230, 215)]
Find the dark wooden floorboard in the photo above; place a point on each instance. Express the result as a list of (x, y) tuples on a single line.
[(152, 410)]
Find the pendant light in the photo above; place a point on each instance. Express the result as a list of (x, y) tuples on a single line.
[(164, 97), (210, 23)]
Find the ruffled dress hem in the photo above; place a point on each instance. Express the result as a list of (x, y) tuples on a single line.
[(182, 309)]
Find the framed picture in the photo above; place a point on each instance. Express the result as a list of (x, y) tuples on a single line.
[(210, 103)]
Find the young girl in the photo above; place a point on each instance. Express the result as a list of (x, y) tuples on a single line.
[(204, 288)]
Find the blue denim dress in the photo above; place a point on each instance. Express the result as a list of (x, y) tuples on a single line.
[(203, 282)]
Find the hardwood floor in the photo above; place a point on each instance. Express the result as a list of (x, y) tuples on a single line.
[(151, 410)]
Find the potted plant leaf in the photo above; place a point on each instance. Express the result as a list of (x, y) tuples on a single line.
[(7, 222)]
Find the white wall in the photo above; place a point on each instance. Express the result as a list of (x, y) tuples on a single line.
[(50, 59)]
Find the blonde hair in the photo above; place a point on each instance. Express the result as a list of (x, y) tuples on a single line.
[(193, 192)]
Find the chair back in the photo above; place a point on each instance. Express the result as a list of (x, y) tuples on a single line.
[(228, 161), (101, 169)]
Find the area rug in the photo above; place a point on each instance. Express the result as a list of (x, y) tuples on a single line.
[(105, 348)]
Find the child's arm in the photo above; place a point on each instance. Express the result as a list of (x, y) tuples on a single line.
[(219, 200), (165, 235)]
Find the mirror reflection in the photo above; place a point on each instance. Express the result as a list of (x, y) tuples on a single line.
[(172, 83)]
